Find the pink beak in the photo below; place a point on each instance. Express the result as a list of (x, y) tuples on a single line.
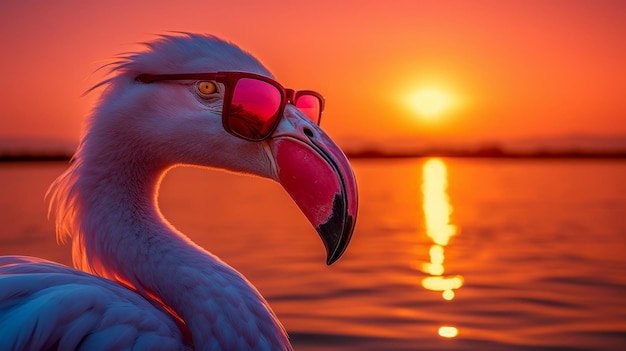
[(320, 180)]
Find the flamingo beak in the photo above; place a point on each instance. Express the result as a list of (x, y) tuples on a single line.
[(318, 177)]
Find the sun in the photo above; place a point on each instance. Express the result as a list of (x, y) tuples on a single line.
[(429, 103)]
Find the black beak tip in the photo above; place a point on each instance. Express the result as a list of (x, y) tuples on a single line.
[(332, 258), (342, 244), (337, 231)]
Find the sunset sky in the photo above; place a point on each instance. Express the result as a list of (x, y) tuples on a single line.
[(392, 71)]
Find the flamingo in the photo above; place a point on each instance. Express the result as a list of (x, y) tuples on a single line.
[(138, 283)]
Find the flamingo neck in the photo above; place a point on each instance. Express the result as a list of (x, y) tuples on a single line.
[(109, 209)]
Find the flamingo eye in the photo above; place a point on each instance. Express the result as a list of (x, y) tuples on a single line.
[(206, 88)]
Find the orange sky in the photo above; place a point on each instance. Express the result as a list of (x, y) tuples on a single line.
[(512, 68)]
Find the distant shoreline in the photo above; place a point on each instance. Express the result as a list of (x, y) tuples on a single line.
[(491, 154), (35, 158), (377, 154)]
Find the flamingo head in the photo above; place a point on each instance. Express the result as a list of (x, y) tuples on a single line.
[(163, 123)]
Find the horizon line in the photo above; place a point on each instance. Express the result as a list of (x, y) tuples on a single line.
[(492, 152)]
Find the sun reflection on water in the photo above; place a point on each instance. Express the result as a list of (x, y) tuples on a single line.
[(437, 211), (448, 332)]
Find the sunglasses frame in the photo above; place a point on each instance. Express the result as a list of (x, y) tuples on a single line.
[(230, 79)]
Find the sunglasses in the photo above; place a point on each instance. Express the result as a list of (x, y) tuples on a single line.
[(253, 104)]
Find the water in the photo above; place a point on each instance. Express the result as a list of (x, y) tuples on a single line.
[(447, 255)]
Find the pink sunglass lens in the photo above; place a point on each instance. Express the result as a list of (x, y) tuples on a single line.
[(254, 108), (310, 105)]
